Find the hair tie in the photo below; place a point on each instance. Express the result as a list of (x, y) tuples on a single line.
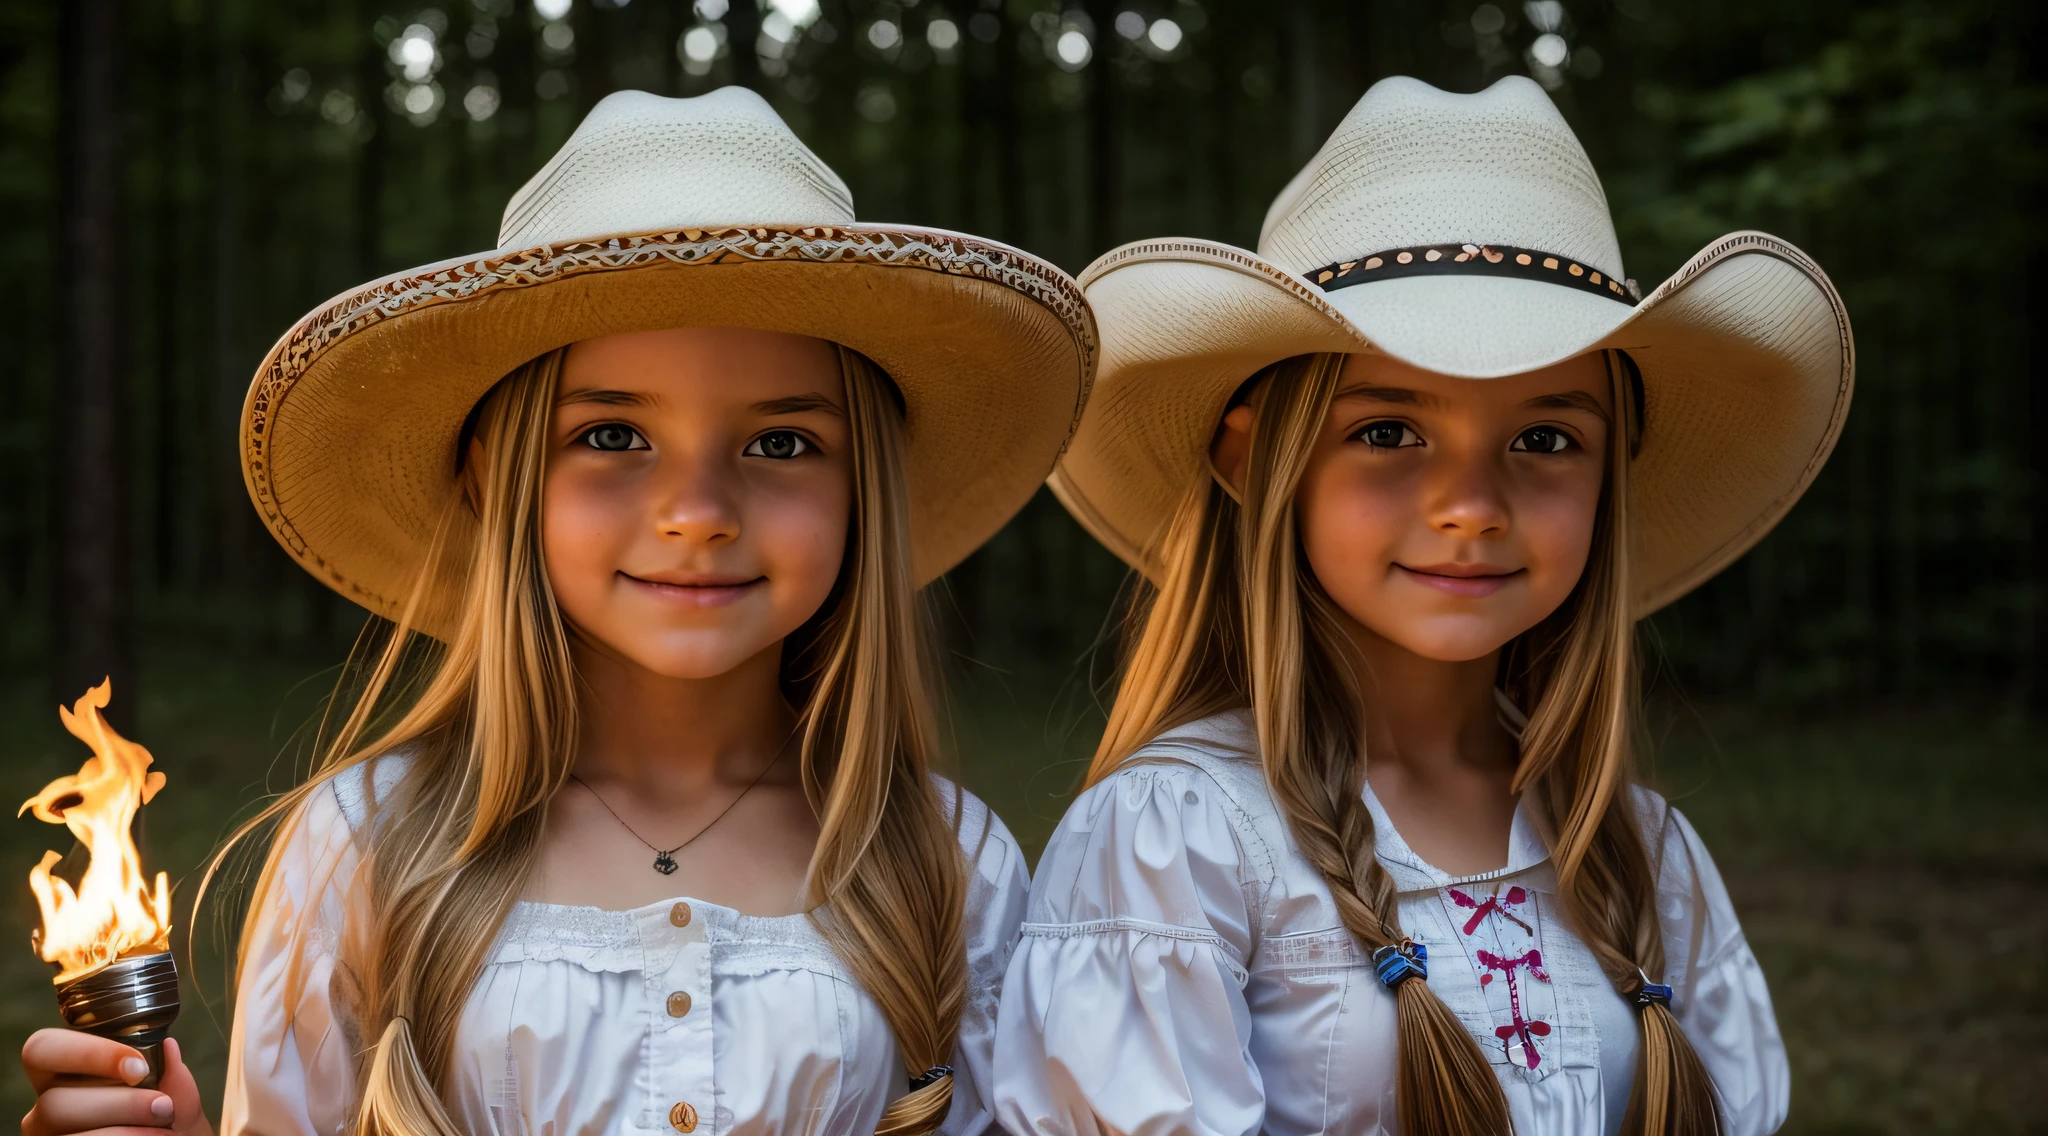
[(931, 1076), (1653, 993), (1398, 964)]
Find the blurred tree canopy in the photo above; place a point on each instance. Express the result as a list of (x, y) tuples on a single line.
[(271, 153)]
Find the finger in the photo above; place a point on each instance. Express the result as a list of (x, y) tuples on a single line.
[(117, 1130), (178, 1084), (50, 1054), (69, 1108)]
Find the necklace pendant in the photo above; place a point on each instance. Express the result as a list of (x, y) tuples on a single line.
[(664, 863)]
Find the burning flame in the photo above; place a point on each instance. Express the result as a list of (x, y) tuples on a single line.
[(111, 913)]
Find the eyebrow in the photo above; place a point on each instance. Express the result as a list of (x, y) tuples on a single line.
[(607, 398), (795, 404), (799, 404), (1401, 395), (1570, 400)]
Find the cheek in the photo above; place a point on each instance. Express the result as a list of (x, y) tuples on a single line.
[(800, 536), (584, 523), (1349, 520), (1557, 532)]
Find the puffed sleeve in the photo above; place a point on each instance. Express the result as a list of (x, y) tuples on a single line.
[(1124, 1010), (290, 1069), (997, 887), (1719, 993)]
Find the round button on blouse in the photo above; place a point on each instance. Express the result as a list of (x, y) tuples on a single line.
[(678, 1003), (679, 915), (683, 1117)]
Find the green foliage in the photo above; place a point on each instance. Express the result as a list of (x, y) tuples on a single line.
[(1900, 152)]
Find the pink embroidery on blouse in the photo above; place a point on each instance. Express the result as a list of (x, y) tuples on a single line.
[(1523, 1030), (1518, 1037), (1496, 904)]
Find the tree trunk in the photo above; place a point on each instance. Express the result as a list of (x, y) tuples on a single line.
[(2030, 29), (2037, 463), (169, 518), (518, 103), (1219, 123), (94, 626), (369, 171), (236, 543), (1105, 166), (1307, 119), (593, 53), (664, 25), (1009, 135), (743, 27)]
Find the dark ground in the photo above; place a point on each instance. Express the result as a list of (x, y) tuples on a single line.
[(1891, 868)]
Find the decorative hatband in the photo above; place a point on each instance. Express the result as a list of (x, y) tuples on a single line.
[(931, 1076), (1398, 964), (1479, 260)]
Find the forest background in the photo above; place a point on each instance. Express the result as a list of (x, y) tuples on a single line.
[(1852, 714)]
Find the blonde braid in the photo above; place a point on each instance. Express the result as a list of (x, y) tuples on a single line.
[(1577, 672), (1304, 697)]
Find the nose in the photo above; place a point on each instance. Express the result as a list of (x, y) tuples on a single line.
[(696, 503), (1466, 498)]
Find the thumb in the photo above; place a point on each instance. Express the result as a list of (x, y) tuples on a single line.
[(187, 1112)]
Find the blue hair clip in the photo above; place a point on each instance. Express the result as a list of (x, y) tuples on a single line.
[(930, 1076), (1654, 992), (1398, 964)]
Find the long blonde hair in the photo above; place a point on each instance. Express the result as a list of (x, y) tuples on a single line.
[(489, 723), (1238, 619)]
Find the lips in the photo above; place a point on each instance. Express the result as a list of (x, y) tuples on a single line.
[(694, 591), (1469, 581)]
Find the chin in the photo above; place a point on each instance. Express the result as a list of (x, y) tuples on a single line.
[(689, 669), (689, 657), (1449, 641)]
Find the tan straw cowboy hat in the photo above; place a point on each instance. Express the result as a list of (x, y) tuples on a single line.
[(1468, 235), (662, 213)]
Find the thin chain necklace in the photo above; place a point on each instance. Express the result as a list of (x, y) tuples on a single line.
[(665, 858)]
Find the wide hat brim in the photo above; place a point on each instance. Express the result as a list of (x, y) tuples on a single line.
[(1746, 353), (350, 430)]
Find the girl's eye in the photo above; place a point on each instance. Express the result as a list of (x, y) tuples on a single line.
[(778, 444), (1387, 435), (613, 436), (1543, 440)]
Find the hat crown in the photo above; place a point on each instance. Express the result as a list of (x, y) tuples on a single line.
[(642, 163), (1414, 165)]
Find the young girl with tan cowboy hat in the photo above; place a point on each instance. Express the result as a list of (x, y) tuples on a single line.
[(1362, 849), (632, 826)]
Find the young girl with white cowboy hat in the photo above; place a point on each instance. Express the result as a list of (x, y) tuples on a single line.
[(638, 832), (1362, 849)]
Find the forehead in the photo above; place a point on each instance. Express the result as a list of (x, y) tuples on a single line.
[(707, 362), (1584, 375)]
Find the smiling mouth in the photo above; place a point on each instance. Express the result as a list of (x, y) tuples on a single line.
[(697, 592), (1472, 581)]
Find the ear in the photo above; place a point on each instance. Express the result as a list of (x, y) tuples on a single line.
[(1231, 449)]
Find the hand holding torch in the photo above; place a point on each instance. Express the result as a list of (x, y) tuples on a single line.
[(109, 937)]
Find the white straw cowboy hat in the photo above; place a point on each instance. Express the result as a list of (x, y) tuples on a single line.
[(663, 213), (1468, 235)]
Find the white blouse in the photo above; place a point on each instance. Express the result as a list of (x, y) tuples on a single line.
[(680, 1016), (1183, 970)]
